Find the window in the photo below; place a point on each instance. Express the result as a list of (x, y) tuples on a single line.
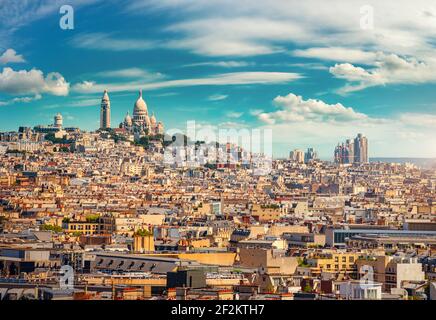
[(344, 259)]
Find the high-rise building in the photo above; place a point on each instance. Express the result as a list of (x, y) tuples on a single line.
[(297, 156), (105, 111), (361, 149), (352, 151), (310, 155), (349, 151)]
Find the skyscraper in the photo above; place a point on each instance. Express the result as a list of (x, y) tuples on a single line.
[(105, 111), (310, 155), (297, 156), (361, 149), (352, 151)]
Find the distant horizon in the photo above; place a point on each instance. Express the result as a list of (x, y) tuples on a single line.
[(280, 157)]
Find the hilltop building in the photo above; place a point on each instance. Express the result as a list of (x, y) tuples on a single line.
[(142, 123)]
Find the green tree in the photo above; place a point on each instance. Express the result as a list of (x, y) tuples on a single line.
[(143, 233), (92, 218), (49, 227), (308, 288)]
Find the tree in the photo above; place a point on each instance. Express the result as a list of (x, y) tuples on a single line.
[(308, 288), (3, 219), (49, 227), (302, 262), (143, 233), (92, 218), (144, 142), (51, 137)]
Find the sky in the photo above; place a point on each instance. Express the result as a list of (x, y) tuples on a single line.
[(314, 72)]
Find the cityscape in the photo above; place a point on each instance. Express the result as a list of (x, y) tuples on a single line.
[(121, 185)]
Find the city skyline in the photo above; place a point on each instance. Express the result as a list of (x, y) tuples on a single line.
[(210, 158), (311, 91)]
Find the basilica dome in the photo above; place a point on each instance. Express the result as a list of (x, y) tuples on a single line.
[(153, 119), (140, 106), (128, 119), (147, 120)]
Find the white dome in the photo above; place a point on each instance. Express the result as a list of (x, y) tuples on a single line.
[(140, 105), (128, 119), (153, 119), (147, 120)]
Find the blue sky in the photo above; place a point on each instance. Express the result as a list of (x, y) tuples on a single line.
[(309, 71)]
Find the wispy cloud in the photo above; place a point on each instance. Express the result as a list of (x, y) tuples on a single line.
[(104, 41), (145, 75), (234, 114), (21, 100), (217, 97), (223, 64), (224, 79)]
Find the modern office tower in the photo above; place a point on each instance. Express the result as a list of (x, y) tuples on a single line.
[(310, 155), (361, 149), (105, 111), (352, 151), (58, 120), (340, 154), (349, 151), (297, 156)]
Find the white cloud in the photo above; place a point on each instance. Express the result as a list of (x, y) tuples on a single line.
[(103, 41), (131, 73), (419, 119), (404, 31), (32, 82), (11, 56), (234, 114), (21, 100), (255, 112), (85, 86), (77, 103), (293, 108), (337, 54), (223, 79), (386, 69), (239, 36), (226, 27), (224, 64), (217, 97), (19, 13), (314, 123)]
